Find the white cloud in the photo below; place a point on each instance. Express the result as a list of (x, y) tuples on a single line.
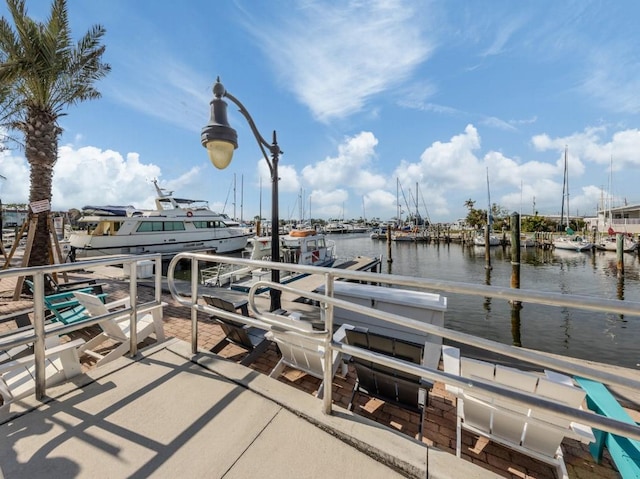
[(503, 33), (613, 77), (328, 203), (288, 177), (349, 168), (89, 175), (15, 189), (336, 58)]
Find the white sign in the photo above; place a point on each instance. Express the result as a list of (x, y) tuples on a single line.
[(40, 206)]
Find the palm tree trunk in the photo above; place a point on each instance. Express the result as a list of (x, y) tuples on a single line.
[(41, 150)]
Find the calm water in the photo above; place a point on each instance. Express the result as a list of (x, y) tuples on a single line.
[(609, 338)]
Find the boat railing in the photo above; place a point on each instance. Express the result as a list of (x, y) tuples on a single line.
[(39, 333), (269, 321)]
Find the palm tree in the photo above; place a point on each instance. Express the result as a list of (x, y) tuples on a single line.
[(45, 72)]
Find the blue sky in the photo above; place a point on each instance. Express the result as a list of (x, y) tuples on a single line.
[(364, 95)]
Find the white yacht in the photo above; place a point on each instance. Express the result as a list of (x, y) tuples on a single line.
[(175, 225)]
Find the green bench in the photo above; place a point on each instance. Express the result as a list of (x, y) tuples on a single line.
[(624, 452)]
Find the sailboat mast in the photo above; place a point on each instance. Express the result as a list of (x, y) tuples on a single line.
[(399, 219), (566, 167), (489, 202), (260, 204), (234, 196), (564, 191), (417, 213)]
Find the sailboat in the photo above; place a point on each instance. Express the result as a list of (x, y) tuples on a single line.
[(417, 232), (480, 239), (570, 241), (610, 242)]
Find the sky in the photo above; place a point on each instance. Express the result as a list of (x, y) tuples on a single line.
[(378, 106)]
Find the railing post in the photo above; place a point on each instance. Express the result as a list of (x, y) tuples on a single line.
[(133, 318), (328, 351), (158, 279), (38, 326), (194, 301)]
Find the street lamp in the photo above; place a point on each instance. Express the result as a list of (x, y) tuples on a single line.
[(221, 140)]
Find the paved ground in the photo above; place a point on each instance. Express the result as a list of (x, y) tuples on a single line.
[(439, 427)]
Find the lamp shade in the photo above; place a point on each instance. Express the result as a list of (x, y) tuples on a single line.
[(218, 137), (220, 153)]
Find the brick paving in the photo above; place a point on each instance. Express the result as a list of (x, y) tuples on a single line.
[(440, 419)]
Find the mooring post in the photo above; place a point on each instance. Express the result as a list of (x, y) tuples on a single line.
[(515, 252), (389, 258), (620, 254)]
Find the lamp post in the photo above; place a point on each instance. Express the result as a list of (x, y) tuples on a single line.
[(221, 140)]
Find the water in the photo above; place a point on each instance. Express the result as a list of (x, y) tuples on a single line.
[(602, 337)]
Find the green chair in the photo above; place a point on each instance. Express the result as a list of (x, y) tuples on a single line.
[(66, 308)]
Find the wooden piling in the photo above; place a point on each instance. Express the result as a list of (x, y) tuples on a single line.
[(515, 250), (620, 254), (389, 258), (516, 306)]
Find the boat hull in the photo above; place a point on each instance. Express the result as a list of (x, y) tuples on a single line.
[(572, 244), (611, 244)]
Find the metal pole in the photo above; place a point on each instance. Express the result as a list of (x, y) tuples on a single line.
[(275, 225), (38, 327)]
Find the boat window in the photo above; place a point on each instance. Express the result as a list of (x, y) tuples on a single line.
[(149, 226), (321, 243), (209, 224), (174, 226), (311, 245)]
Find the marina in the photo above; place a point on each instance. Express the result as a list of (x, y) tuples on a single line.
[(350, 331)]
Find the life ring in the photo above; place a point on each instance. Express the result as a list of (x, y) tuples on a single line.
[(189, 214)]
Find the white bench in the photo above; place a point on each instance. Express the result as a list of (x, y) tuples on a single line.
[(536, 433)]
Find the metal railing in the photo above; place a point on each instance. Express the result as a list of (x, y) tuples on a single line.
[(269, 321), (39, 333)]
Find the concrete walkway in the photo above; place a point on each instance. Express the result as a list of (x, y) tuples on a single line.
[(171, 414)]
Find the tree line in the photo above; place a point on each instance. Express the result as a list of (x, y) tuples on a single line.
[(501, 217)]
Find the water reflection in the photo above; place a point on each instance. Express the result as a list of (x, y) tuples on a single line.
[(487, 300), (516, 307)]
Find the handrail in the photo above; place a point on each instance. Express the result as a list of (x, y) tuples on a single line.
[(328, 303), (40, 333)]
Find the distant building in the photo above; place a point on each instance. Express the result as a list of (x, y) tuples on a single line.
[(13, 217), (623, 219)]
